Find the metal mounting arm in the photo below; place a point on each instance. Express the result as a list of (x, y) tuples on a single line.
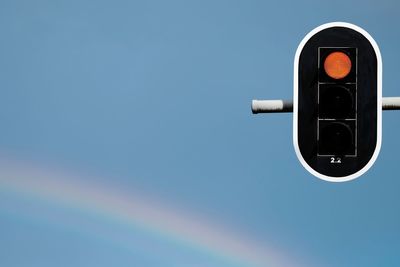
[(280, 106)]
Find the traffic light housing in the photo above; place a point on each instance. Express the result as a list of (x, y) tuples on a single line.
[(337, 122)]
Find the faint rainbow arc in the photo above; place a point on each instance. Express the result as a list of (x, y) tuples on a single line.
[(139, 211)]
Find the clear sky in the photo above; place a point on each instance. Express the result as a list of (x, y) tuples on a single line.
[(127, 138)]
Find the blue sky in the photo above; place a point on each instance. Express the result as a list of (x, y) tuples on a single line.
[(154, 97)]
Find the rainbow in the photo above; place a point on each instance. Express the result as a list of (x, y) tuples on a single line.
[(179, 226)]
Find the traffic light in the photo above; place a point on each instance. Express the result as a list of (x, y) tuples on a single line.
[(337, 103)]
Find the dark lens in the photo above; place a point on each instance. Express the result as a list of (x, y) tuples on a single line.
[(335, 102), (336, 138)]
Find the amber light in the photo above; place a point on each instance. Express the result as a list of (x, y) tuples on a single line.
[(337, 65)]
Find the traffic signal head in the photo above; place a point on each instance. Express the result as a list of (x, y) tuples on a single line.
[(337, 122)]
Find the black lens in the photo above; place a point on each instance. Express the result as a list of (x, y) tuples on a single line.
[(335, 102), (336, 138)]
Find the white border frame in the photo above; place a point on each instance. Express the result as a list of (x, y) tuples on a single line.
[(379, 102)]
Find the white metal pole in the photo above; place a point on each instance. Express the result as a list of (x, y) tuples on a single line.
[(391, 103), (280, 106), (271, 106)]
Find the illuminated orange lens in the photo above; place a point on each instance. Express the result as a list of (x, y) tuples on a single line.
[(337, 65)]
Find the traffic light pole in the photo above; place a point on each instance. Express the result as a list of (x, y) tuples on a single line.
[(286, 106)]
